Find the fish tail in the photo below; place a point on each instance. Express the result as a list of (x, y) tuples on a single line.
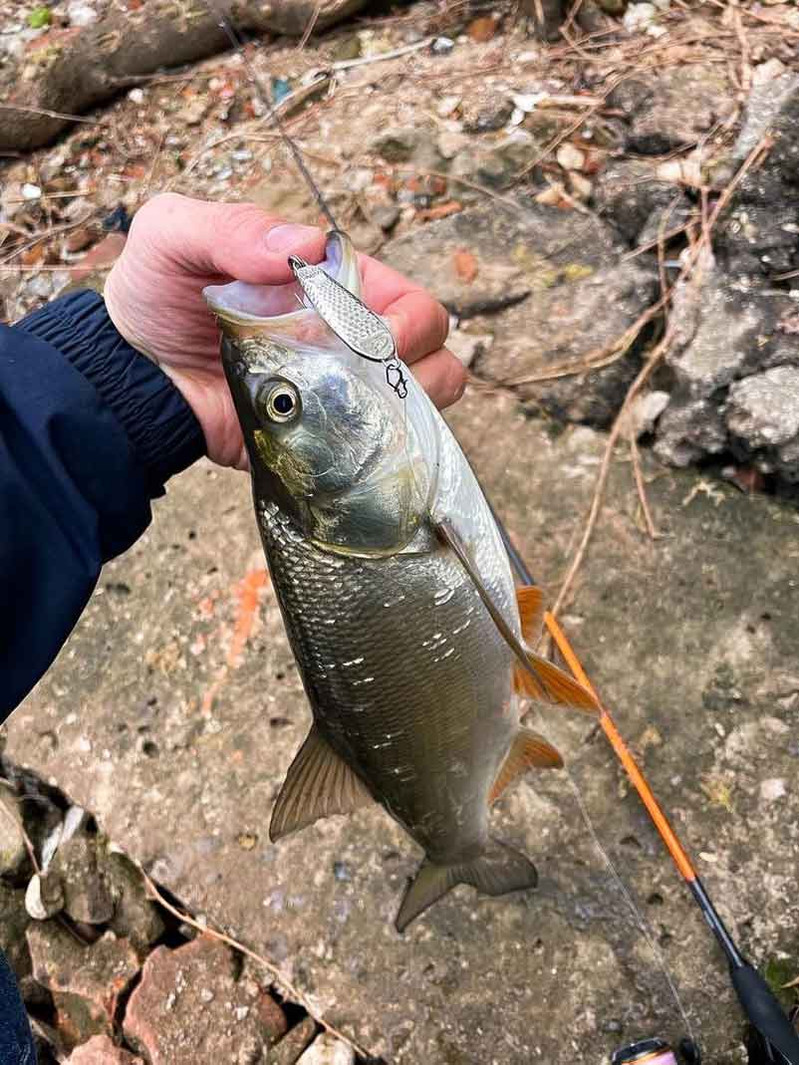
[(496, 871)]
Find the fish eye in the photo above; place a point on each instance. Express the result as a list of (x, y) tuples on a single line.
[(281, 402)]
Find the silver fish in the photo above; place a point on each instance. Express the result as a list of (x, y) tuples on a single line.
[(393, 582)]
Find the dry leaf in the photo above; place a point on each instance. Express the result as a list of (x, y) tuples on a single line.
[(465, 265), (482, 29), (441, 210)]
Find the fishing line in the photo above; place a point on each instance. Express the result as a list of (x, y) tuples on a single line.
[(643, 925), (227, 27)]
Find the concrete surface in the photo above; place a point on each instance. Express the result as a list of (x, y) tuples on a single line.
[(175, 709)]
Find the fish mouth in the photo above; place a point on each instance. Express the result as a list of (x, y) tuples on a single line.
[(244, 309)]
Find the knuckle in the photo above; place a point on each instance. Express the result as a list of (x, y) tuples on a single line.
[(442, 323), (155, 212)]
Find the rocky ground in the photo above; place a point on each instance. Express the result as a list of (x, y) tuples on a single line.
[(624, 198)]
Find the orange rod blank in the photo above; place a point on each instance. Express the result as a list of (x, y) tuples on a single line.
[(623, 753)]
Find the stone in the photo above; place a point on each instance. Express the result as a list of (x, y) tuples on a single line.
[(86, 982), (496, 165), (44, 897), (628, 195), (87, 897), (78, 240), (385, 216), (491, 114), (270, 1013), (134, 917), (734, 358), (327, 1050), (772, 789), (467, 346), (189, 1007), (570, 157), (81, 14), (291, 1046), (431, 253), (757, 237), (773, 86), (763, 411), (645, 410), (100, 1050), (581, 296), (450, 142), (13, 852), (690, 430), (13, 923), (396, 144), (673, 106)]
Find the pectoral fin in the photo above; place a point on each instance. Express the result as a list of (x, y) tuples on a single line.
[(528, 750), (498, 870), (543, 680), (319, 783)]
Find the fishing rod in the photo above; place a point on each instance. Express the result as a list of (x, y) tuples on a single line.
[(774, 1037), (755, 996)]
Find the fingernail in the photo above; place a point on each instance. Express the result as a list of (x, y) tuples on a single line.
[(288, 237)]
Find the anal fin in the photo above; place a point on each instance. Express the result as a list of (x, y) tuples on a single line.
[(319, 783), (498, 870), (528, 750)]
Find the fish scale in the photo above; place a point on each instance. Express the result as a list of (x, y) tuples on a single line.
[(403, 699)]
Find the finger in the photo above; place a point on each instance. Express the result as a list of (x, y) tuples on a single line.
[(419, 324), (237, 240), (382, 285), (442, 376)]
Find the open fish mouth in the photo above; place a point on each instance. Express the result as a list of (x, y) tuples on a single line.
[(241, 304)]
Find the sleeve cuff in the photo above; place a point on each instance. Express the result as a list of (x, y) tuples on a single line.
[(163, 430)]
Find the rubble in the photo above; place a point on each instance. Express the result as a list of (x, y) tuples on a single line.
[(189, 1006)]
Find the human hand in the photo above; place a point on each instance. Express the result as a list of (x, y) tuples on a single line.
[(177, 246)]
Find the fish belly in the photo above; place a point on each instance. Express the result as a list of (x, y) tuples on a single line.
[(407, 676)]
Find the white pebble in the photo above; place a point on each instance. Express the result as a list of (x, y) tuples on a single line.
[(772, 789)]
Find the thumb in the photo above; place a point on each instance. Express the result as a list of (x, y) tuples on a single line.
[(239, 240)]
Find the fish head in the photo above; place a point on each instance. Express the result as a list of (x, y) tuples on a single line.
[(331, 441)]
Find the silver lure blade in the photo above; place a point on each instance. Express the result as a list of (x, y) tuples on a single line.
[(363, 331)]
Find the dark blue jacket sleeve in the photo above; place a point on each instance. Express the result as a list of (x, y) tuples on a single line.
[(90, 430)]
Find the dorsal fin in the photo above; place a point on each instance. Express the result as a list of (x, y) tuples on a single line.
[(319, 783), (529, 750), (542, 680), (530, 601)]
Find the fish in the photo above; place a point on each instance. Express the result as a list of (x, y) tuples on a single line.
[(412, 642)]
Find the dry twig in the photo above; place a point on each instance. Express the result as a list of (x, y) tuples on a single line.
[(640, 486)]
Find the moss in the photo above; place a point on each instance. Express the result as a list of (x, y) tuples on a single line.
[(778, 972), (39, 18), (576, 272)]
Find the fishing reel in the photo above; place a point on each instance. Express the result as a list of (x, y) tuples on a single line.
[(657, 1052)]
